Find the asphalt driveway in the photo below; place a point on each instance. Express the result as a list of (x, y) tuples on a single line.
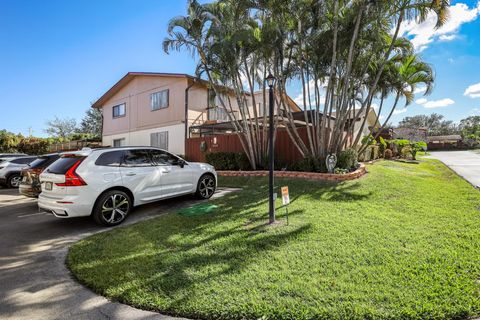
[(464, 163), (34, 282)]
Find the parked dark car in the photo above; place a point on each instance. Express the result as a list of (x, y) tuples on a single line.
[(30, 184)]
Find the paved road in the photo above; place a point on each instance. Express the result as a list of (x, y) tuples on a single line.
[(464, 163), (34, 282)]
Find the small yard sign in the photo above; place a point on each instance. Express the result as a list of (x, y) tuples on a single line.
[(285, 196), (285, 200)]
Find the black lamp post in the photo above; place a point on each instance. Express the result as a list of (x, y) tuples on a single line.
[(271, 204)]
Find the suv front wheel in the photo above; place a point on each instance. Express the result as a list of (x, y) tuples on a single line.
[(112, 208), (206, 186)]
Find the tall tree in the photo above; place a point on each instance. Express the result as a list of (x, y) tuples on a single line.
[(434, 123), (92, 122), (61, 128), (337, 50), (470, 127)]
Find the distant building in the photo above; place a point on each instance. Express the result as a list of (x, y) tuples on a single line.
[(412, 134), (453, 141)]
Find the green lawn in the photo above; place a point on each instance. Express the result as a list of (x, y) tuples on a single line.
[(403, 242)]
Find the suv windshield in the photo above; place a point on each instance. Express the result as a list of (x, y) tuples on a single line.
[(62, 165)]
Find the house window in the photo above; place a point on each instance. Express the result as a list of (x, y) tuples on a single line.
[(118, 142), (159, 140), (119, 110), (159, 100), (215, 112)]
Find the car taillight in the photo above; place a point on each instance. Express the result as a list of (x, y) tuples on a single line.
[(37, 170), (72, 179)]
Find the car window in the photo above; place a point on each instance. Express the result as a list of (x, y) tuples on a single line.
[(39, 162), (161, 157), (137, 158), (62, 165), (43, 161), (22, 160), (111, 159)]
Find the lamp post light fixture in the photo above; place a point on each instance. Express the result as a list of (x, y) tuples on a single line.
[(271, 203)]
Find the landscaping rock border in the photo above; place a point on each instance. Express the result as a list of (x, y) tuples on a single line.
[(296, 174)]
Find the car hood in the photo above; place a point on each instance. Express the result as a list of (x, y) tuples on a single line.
[(202, 166)]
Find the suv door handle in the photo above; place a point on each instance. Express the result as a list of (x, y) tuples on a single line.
[(165, 171), (130, 174)]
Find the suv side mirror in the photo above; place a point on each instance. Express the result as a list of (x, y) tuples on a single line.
[(181, 163)]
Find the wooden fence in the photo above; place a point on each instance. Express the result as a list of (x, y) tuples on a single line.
[(74, 145), (285, 151)]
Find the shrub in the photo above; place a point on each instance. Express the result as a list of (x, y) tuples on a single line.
[(33, 145), (309, 164), (242, 161), (341, 171), (406, 152), (366, 155), (383, 146), (400, 144), (228, 160), (347, 159), (375, 152), (369, 140), (388, 154), (415, 147)]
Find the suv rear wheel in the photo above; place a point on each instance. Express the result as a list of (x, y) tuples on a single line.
[(112, 208), (206, 186), (14, 180)]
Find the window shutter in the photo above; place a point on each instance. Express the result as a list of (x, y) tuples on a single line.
[(159, 140)]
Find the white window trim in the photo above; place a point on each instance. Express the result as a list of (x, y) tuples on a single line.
[(122, 142), (124, 110), (154, 94)]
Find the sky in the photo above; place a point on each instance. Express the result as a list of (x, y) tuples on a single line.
[(59, 56)]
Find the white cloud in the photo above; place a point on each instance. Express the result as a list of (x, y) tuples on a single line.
[(438, 103), (422, 34), (299, 99), (421, 101), (311, 86), (448, 37), (420, 90), (473, 91), (399, 111), (434, 103)]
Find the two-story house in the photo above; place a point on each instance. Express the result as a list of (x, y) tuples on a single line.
[(160, 109)]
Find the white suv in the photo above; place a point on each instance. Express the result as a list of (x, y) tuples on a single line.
[(108, 183)]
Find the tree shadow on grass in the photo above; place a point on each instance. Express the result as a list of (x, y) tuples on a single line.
[(166, 260), (169, 257), (327, 191)]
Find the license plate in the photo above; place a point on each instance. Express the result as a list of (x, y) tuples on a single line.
[(48, 186)]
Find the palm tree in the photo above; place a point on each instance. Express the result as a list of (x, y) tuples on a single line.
[(405, 73), (341, 52)]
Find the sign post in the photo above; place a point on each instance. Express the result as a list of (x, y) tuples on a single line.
[(285, 200)]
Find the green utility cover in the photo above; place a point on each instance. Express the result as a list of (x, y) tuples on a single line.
[(198, 210)]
